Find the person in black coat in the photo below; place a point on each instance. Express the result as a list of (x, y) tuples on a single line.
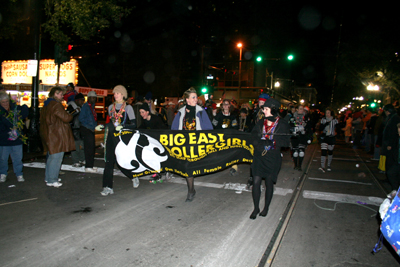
[(390, 145), (269, 135), (150, 121)]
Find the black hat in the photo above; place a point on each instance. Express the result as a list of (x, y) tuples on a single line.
[(79, 96), (145, 107), (272, 103), (71, 85)]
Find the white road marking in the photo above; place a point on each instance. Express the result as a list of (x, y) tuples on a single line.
[(176, 180), (345, 159), (339, 181), (19, 201), (377, 201)]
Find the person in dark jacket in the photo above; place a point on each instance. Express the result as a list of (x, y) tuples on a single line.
[(74, 108), (88, 120), (269, 135), (11, 136), (390, 145), (150, 121)]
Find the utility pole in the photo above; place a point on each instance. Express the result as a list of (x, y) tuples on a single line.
[(33, 132)]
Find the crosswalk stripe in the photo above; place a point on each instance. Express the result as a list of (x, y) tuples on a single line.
[(339, 181), (376, 201)]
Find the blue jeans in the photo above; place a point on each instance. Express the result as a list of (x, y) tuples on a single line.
[(53, 166), (16, 156)]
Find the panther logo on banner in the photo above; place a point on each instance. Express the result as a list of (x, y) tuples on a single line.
[(187, 153), (148, 153)]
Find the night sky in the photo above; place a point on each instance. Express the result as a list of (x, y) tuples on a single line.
[(159, 46)]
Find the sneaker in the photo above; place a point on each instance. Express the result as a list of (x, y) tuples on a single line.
[(107, 191), (328, 168), (136, 182), (91, 170), (20, 178), (233, 172), (76, 165), (3, 178), (82, 162), (55, 184), (321, 169), (169, 175)]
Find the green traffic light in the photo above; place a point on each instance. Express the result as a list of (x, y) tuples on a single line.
[(204, 90), (372, 105), (259, 59), (290, 57)]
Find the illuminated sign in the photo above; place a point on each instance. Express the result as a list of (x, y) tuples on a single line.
[(16, 72)]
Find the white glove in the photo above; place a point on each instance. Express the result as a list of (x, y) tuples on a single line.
[(118, 128), (99, 127)]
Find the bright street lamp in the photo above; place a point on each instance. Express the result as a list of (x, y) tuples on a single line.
[(372, 87), (240, 45)]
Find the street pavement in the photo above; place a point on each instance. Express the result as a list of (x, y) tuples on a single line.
[(315, 219)]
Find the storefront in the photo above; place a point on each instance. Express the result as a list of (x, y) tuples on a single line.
[(18, 83)]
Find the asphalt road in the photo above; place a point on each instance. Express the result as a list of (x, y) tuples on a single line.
[(153, 225)]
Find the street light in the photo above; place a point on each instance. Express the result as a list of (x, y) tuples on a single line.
[(372, 87), (240, 45)]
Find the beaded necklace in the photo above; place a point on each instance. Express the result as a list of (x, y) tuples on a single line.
[(116, 116)]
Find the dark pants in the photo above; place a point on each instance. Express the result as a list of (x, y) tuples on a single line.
[(88, 146), (393, 172), (108, 174)]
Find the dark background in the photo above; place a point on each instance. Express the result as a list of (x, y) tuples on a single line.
[(160, 45)]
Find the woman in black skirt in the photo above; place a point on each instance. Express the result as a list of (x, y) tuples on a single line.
[(269, 135)]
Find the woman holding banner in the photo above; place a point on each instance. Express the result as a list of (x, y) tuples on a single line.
[(191, 117), (269, 135)]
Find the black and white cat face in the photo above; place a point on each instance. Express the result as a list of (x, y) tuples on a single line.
[(140, 153)]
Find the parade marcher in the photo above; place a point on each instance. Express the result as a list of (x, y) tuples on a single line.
[(378, 133), (226, 119), (269, 136), (56, 134), (70, 94), (327, 139), (390, 145), (136, 107), (244, 121), (258, 112), (191, 117), (150, 121), (88, 120), (300, 125), (170, 113), (121, 116), (11, 136), (74, 108)]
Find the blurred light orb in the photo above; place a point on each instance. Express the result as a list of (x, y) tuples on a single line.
[(149, 77)]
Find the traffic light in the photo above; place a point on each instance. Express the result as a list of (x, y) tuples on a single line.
[(204, 90), (372, 105), (61, 53), (290, 57), (259, 59)]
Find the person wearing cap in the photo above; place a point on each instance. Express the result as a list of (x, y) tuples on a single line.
[(258, 111), (269, 135), (191, 117), (150, 121), (71, 93), (120, 115), (88, 120), (74, 108)]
